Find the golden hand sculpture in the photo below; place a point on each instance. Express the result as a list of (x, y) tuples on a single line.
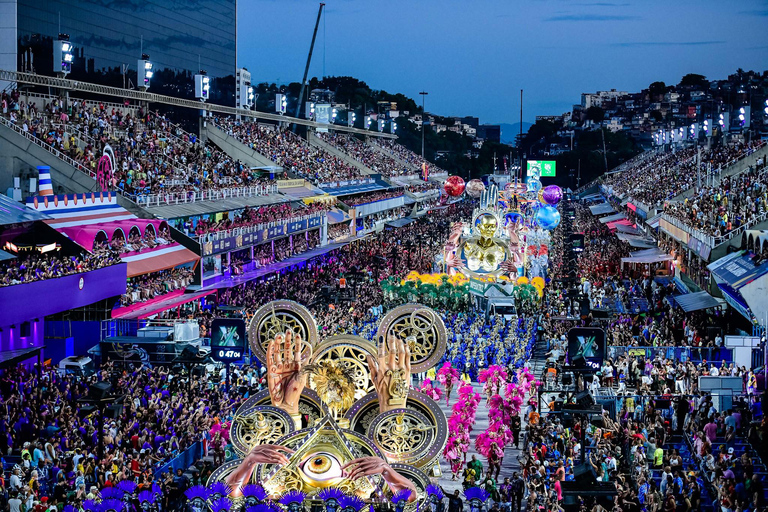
[(285, 377), (391, 373)]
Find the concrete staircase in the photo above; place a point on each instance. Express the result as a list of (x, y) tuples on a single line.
[(20, 154), (236, 149), (314, 140)]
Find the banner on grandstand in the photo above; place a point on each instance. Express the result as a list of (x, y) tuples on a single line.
[(258, 236), (586, 347), (672, 230), (281, 184)]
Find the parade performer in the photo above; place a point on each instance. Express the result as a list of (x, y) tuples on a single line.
[(293, 501), (432, 392), (448, 376), (435, 497), (476, 497), (494, 378)]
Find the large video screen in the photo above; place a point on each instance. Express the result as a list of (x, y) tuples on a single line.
[(541, 168), (586, 347)]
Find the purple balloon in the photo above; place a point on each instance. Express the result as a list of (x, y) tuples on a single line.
[(552, 194)]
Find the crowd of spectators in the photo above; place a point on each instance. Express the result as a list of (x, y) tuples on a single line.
[(365, 153), (735, 201), (661, 176), (148, 286), (153, 155), (48, 428), (290, 151), (35, 266), (415, 161), (137, 242)]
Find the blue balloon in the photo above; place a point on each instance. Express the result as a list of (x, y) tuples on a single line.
[(548, 217), (534, 186)]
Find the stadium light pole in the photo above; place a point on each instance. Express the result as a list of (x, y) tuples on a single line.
[(423, 116)]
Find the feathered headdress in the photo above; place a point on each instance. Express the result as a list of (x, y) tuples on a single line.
[(146, 497), (476, 493), (264, 507), (218, 488), (434, 490), (334, 382), (90, 506), (254, 491), (68, 508), (112, 493), (196, 492), (353, 502), (127, 486), (401, 495), (157, 490), (292, 497), (221, 505), (110, 505), (331, 493), (445, 371)]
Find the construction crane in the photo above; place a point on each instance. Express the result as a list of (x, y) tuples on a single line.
[(309, 60)]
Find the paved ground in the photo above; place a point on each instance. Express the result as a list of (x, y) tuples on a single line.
[(509, 464)]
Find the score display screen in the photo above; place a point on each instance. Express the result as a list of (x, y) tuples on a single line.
[(228, 339)]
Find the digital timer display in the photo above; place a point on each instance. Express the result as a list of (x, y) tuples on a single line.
[(227, 339)]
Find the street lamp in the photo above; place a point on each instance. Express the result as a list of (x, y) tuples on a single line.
[(423, 118)]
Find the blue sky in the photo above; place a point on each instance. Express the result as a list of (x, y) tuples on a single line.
[(474, 56)]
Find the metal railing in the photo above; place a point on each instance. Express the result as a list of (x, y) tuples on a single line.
[(55, 152), (227, 233), (711, 240), (150, 200), (714, 355), (76, 85)]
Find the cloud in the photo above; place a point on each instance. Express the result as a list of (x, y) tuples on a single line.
[(657, 43), (591, 17)]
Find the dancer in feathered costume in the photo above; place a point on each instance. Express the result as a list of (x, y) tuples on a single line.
[(218, 490), (253, 494), (146, 501), (351, 503), (476, 496), (331, 497), (448, 376), (197, 496), (435, 496), (430, 390), (400, 499), (459, 427), (494, 378), (293, 501), (221, 505)]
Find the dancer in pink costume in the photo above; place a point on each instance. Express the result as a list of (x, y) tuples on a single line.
[(431, 391), (459, 427), (494, 378), (447, 375)]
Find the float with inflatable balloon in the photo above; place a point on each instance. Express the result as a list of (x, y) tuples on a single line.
[(506, 242)]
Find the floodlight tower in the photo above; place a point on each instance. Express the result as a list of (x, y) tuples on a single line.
[(63, 56), (145, 72)]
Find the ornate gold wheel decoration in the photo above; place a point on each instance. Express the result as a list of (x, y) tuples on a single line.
[(352, 351), (258, 424), (221, 473), (309, 405), (422, 328), (364, 418), (404, 435), (275, 318)]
